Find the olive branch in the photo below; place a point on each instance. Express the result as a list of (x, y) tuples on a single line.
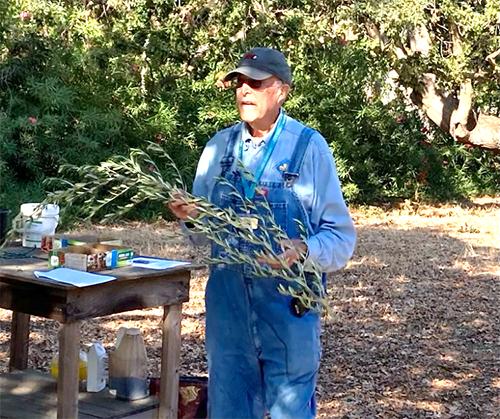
[(109, 190)]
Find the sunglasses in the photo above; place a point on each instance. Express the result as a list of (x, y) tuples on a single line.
[(254, 84)]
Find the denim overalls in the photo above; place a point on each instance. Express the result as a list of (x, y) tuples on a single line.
[(261, 357)]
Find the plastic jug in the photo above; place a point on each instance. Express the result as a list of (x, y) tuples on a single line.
[(82, 366), (128, 367), (96, 367), (35, 221)]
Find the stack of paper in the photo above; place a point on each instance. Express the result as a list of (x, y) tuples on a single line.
[(74, 277)]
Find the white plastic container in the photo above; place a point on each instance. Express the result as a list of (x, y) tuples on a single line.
[(35, 221), (128, 367), (119, 335), (96, 367)]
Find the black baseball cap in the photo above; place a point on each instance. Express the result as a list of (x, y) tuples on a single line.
[(262, 63)]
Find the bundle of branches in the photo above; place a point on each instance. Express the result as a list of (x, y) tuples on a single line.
[(107, 191)]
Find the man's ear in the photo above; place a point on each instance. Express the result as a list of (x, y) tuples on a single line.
[(284, 90)]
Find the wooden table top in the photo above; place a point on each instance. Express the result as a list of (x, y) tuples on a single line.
[(21, 262), (134, 288)]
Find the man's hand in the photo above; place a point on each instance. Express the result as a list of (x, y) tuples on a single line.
[(293, 250), (180, 207)]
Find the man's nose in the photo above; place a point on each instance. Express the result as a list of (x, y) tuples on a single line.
[(245, 88)]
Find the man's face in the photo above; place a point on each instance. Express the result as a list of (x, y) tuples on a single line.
[(259, 101)]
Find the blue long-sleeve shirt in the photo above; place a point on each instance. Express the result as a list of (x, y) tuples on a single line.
[(333, 237)]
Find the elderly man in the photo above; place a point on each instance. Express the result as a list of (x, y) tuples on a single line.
[(263, 348)]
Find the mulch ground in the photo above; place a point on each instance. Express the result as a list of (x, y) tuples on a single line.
[(414, 330)]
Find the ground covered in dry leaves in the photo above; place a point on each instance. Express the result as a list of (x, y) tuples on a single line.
[(415, 322)]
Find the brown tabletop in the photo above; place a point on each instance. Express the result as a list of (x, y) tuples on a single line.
[(134, 288)]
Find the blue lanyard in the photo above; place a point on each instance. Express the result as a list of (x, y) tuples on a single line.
[(249, 186)]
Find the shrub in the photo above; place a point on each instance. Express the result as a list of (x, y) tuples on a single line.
[(80, 81)]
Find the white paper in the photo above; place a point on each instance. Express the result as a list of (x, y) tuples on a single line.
[(74, 277), (154, 263)]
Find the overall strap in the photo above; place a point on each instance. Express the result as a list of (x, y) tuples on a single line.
[(291, 175), (228, 159)]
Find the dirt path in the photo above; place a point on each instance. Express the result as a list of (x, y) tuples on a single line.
[(415, 330)]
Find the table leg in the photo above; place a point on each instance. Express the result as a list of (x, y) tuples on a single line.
[(170, 360), (19, 341), (67, 380)]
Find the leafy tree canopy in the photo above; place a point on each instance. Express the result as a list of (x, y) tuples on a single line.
[(82, 80)]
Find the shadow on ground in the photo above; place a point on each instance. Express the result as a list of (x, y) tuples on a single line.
[(414, 331)]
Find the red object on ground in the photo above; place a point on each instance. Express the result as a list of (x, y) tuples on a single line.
[(193, 396)]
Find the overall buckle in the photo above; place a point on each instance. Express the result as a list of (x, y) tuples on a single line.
[(297, 308), (290, 178)]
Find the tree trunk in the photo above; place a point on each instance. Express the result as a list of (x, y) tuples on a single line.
[(456, 116)]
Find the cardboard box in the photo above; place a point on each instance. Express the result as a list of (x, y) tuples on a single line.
[(91, 258), (59, 241)]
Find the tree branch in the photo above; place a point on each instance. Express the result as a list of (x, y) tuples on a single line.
[(455, 115), (420, 40), (374, 32), (463, 119), (456, 40), (491, 57)]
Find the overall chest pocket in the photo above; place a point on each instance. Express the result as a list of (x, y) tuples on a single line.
[(272, 224), (270, 218)]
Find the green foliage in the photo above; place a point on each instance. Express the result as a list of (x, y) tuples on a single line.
[(116, 186), (461, 35), (80, 81)]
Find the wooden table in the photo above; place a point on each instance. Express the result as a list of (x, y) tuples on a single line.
[(135, 288)]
